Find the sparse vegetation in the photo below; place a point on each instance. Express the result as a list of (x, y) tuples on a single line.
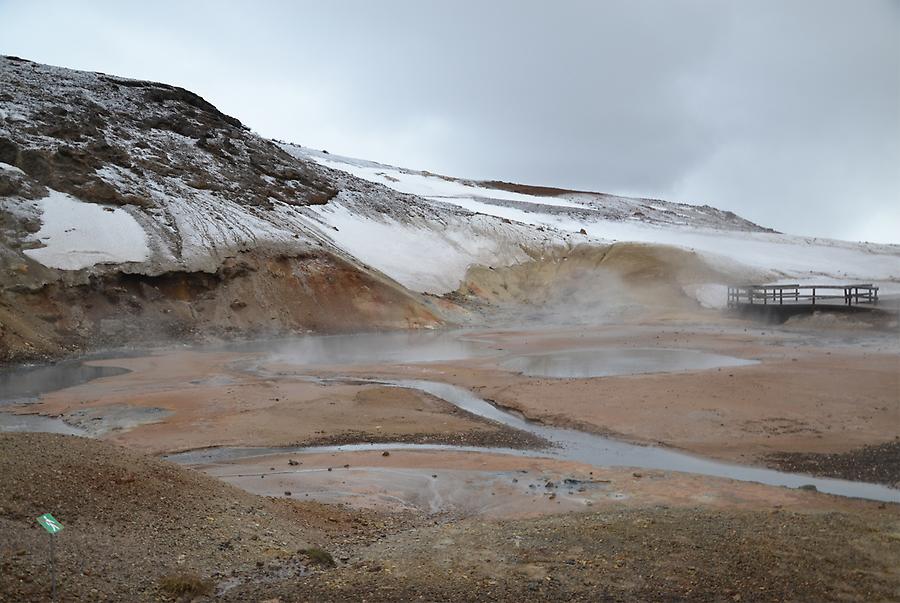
[(186, 585), (318, 556)]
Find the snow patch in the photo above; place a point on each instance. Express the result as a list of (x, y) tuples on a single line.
[(11, 168), (420, 259), (421, 184), (709, 295), (78, 235), (607, 218)]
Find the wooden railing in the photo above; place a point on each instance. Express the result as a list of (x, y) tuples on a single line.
[(849, 295)]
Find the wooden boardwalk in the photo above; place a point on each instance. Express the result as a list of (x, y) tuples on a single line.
[(777, 303), (811, 295)]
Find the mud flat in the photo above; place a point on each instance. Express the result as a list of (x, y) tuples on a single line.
[(482, 483), (796, 392), (729, 393), (417, 487), (192, 399)]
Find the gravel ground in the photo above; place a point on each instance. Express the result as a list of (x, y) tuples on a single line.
[(132, 521), (877, 464), (653, 554)]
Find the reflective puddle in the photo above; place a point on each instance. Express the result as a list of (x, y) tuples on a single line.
[(387, 348), (569, 445), (583, 364), (22, 384), (10, 422)]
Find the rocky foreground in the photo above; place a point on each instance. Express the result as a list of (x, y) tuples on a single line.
[(139, 529)]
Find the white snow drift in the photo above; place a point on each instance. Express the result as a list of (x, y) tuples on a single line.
[(599, 218), (78, 235)]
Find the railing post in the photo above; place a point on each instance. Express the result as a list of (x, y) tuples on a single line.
[(854, 294)]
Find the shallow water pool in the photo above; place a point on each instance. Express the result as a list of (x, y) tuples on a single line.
[(608, 362)]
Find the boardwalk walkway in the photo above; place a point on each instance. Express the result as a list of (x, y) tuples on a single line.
[(847, 295), (780, 302)]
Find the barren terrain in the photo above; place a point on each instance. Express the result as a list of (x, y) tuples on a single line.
[(662, 540), (538, 394), (805, 394), (444, 524)]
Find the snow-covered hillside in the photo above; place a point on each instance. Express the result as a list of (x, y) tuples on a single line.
[(129, 208), (726, 240), (186, 187)]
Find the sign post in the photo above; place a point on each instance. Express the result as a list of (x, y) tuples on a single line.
[(52, 525)]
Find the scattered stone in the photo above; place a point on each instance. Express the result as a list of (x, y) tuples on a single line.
[(879, 463)]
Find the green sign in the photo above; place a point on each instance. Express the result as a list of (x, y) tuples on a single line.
[(50, 523)]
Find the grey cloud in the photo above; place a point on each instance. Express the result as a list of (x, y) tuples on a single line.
[(785, 112)]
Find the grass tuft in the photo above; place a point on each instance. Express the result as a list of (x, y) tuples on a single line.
[(317, 556), (185, 584)]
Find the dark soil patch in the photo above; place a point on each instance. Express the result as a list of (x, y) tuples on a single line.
[(878, 464), (501, 437)]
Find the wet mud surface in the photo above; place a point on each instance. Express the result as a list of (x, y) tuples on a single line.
[(417, 493), (430, 389), (583, 364), (22, 384)]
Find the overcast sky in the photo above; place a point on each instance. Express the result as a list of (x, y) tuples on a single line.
[(784, 111)]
